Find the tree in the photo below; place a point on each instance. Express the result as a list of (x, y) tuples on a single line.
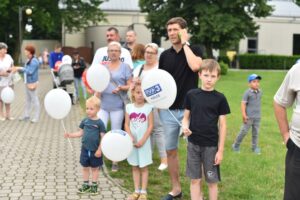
[(46, 19), (298, 2), (217, 24)]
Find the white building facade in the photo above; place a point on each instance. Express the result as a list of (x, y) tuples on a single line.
[(278, 34), (121, 14)]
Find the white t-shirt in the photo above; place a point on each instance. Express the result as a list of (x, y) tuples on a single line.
[(101, 57), (287, 95), (5, 64), (137, 70)]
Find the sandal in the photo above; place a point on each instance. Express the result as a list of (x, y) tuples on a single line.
[(133, 196), (143, 197)]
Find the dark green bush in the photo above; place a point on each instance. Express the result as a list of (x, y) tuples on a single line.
[(224, 59), (224, 68), (255, 61)]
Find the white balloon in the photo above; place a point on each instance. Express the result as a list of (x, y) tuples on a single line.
[(7, 95), (159, 88), (66, 59), (116, 145), (57, 103), (98, 77)]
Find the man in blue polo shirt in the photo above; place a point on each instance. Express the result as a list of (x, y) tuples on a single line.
[(182, 61)]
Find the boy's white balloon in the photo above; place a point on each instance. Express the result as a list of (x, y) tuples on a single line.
[(66, 59), (57, 103), (116, 145), (98, 77), (159, 88), (7, 95)]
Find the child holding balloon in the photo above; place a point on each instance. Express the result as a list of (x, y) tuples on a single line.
[(204, 123), (91, 130), (139, 125)]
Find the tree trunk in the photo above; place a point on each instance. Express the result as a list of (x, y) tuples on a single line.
[(209, 51)]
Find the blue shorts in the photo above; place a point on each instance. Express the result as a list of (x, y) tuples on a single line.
[(171, 126), (88, 159)]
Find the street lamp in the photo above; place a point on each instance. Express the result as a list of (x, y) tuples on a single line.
[(28, 11)]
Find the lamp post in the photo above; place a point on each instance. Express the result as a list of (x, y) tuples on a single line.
[(28, 11)]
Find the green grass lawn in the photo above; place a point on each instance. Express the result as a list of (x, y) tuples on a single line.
[(245, 176)]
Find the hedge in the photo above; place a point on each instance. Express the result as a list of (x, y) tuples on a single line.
[(255, 61)]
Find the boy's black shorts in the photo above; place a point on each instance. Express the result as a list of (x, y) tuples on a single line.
[(88, 159)]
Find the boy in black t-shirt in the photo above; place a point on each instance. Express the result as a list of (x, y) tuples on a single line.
[(204, 122)]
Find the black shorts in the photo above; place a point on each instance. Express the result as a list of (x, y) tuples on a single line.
[(292, 172), (198, 157), (88, 159)]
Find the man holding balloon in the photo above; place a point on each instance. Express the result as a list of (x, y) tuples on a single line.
[(182, 61)]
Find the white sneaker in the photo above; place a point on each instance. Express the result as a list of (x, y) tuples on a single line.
[(162, 166)]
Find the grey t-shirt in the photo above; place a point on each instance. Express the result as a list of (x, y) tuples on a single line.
[(252, 98), (110, 101), (287, 95), (91, 133)]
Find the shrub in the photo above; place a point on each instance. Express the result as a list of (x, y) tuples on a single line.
[(255, 61), (224, 68)]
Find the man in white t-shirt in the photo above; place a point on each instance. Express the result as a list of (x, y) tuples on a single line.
[(288, 95), (101, 57)]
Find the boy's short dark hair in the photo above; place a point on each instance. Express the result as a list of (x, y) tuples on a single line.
[(210, 65), (177, 20)]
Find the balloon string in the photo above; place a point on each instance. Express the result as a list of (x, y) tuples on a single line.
[(178, 122), (63, 125)]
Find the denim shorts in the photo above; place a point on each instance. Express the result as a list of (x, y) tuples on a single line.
[(171, 126), (88, 159), (202, 158)]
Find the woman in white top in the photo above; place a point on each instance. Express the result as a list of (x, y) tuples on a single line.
[(6, 64), (157, 136)]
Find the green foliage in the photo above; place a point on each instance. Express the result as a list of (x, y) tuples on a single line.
[(224, 59), (224, 68), (255, 61), (215, 24), (47, 18), (298, 2)]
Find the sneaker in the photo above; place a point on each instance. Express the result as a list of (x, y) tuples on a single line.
[(114, 167), (2, 118), (84, 189), (162, 166), (235, 148), (142, 197), (256, 151), (133, 196), (94, 189), (34, 120), (10, 118), (24, 119)]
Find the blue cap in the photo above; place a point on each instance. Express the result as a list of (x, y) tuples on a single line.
[(253, 77)]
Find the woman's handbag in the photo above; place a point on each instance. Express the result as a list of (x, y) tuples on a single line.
[(32, 86)]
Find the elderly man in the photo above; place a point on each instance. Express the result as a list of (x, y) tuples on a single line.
[(101, 57), (288, 95)]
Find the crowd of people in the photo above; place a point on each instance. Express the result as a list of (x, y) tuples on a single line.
[(198, 112)]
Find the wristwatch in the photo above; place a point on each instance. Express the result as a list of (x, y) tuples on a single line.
[(186, 43)]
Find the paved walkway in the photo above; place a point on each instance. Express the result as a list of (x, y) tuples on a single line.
[(36, 162)]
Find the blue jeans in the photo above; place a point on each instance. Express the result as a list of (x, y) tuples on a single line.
[(78, 81), (171, 127)]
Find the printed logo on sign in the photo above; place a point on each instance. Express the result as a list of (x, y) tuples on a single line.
[(152, 90)]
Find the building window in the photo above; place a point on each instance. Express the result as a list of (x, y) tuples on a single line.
[(296, 44), (252, 44)]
